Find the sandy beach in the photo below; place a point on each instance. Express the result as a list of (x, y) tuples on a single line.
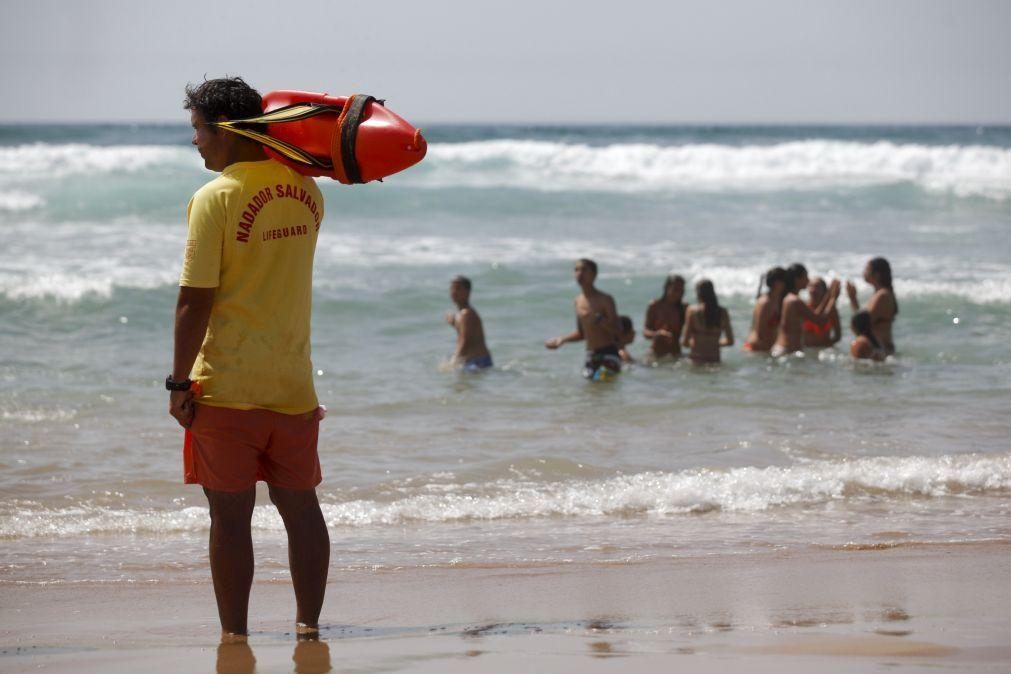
[(835, 610)]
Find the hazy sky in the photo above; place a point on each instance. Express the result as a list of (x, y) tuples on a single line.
[(712, 61)]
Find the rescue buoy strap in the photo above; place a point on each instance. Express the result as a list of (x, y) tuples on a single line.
[(288, 150), (351, 117), (289, 113)]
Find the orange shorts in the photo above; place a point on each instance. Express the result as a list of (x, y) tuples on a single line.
[(229, 450)]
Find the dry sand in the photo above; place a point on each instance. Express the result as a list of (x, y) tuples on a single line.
[(922, 608)]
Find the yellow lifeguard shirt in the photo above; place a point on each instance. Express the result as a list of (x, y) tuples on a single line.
[(252, 235)]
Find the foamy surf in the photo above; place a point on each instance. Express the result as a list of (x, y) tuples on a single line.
[(143, 256), (964, 170), (63, 160), (649, 494)]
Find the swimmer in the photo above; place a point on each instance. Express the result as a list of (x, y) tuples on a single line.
[(883, 307), (665, 319), (596, 322), (471, 351), (866, 346), (795, 312), (766, 314), (825, 334), (704, 323), (626, 338)]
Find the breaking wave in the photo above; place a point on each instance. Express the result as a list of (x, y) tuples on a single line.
[(647, 494), (964, 170)]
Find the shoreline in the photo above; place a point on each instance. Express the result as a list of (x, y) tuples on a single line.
[(839, 610)]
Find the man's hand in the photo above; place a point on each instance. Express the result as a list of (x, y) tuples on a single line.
[(182, 407), (451, 318), (553, 343)]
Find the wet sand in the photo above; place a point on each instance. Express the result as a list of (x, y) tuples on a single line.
[(921, 607)]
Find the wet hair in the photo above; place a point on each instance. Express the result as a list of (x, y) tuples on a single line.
[(589, 264), (626, 324), (861, 324), (229, 97), (670, 281), (462, 281), (771, 277), (794, 272), (880, 267), (707, 295)]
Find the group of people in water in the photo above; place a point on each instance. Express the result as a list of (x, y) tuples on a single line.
[(781, 324)]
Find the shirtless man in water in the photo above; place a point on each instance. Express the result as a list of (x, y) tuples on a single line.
[(882, 306), (795, 312), (596, 322), (765, 317), (471, 352)]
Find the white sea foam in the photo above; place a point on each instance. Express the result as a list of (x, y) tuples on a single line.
[(62, 160), (964, 170), (732, 276), (141, 256), (881, 480), (35, 415), (17, 200)]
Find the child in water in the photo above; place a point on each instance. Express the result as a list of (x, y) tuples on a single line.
[(471, 352), (866, 346)]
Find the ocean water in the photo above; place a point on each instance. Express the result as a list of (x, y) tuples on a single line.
[(526, 464)]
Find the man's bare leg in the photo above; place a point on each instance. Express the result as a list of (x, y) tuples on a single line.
[(308, 550), (231, 552)]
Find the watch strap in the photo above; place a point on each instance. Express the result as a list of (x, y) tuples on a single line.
[(172, 385)]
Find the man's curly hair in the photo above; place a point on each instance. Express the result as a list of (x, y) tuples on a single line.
[(228, 96)]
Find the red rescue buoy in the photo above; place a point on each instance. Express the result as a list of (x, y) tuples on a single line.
[(352, 139)]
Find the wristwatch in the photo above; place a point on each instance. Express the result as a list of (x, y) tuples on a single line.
[(183, 385)]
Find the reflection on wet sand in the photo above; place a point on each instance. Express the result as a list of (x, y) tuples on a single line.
[(602, 649), (311, 656), (235, 658)]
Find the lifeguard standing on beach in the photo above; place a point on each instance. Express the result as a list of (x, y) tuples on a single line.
[(242, 334)]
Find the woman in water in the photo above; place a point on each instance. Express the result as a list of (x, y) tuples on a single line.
[(704, 323), (882, 307), (765, 317), (825, 334), (866, 345), (665, 319)]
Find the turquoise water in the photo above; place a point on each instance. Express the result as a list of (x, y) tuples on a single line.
[(526, 463)]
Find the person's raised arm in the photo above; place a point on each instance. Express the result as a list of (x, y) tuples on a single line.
[(193, 312), (851, 291), (825, 309)]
